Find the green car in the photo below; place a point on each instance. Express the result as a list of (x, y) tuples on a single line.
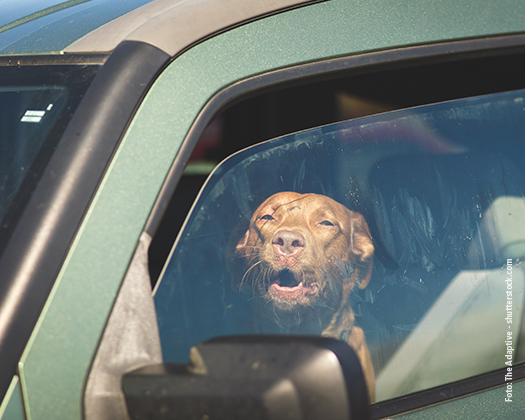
[(279, 209)]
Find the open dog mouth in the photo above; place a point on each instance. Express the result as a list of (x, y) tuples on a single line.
[(291, 287)]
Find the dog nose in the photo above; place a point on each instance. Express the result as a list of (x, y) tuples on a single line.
[(288, 242)]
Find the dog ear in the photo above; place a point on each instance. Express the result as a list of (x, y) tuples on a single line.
[(361, 249), (236, 254)]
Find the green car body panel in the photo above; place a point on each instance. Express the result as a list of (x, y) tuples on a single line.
[(13, 408), (57, 359), (489, 404)]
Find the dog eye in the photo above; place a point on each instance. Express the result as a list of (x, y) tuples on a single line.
[(326, 223), (266, 217)]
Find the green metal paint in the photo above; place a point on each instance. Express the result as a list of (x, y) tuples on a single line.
[(488, 404), (59, 354), (12, 408)]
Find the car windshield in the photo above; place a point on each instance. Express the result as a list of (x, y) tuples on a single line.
[(36, 102), (408, 226), (27, 114)]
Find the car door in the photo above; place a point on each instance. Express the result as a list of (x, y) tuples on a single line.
[(442, 312), (278, 69)]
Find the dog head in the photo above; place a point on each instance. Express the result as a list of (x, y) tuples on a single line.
[(304, 253)]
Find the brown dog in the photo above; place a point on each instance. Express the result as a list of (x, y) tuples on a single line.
[(302, 255)]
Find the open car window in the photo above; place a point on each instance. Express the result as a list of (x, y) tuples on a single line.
[(400, 233)]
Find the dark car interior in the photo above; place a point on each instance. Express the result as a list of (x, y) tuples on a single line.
[(287, 109)]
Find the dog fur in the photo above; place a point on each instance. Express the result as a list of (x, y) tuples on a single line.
[(302, 255)]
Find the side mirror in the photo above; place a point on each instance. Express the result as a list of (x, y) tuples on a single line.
[(253, 377)]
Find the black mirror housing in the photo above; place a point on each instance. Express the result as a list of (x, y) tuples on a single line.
[(253, 377)]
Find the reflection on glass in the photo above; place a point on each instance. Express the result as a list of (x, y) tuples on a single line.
[(405, 233), (27, 115)]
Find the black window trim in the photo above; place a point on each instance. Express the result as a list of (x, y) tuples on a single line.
[(338, 67), (49, 60), (44, 233), (447, 392)]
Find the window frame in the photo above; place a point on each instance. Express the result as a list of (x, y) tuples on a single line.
[(331, 68), (335, 68), (42, 236)]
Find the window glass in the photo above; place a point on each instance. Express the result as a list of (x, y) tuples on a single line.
[(27, 114), (37, 102), (404, 229)]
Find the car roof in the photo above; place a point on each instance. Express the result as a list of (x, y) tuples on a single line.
[(94, 26)]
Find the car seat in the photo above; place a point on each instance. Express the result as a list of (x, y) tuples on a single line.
[(444, 227)]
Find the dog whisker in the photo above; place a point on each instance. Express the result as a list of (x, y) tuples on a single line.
[(301, 269), (245, 276)]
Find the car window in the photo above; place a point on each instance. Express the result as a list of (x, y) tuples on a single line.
[(27, 115), (401, 233), (36, 104)]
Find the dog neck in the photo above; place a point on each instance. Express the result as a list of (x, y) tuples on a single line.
[(267, 326), (309, 321), (346, 334)]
